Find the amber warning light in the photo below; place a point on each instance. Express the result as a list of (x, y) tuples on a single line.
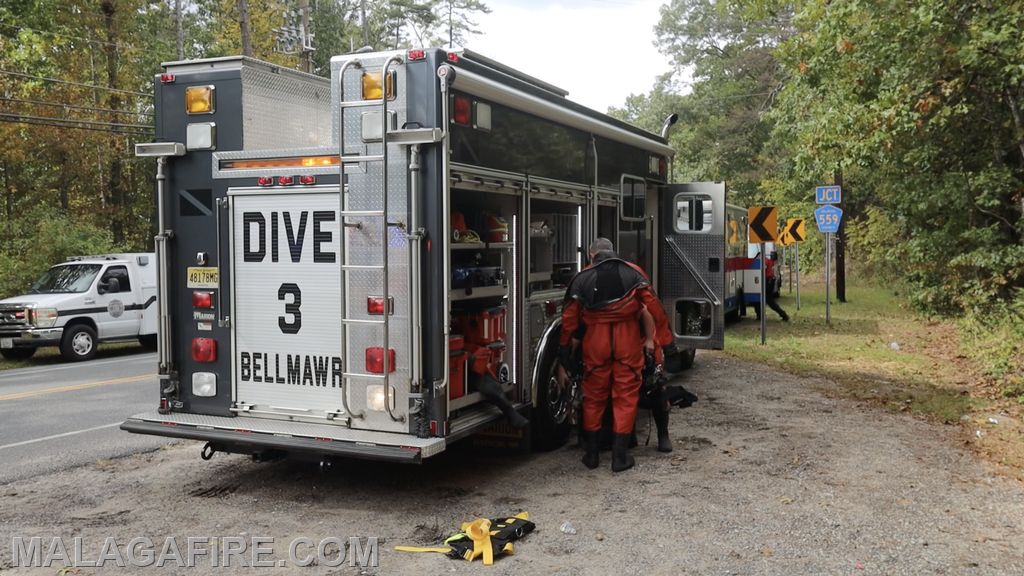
[(307, 162)]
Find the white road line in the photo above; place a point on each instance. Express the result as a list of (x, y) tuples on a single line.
[(26, 442), (30, 371)]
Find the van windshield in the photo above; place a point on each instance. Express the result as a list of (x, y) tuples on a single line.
[(65, 279)]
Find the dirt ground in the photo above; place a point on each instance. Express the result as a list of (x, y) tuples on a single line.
[(769, 476)]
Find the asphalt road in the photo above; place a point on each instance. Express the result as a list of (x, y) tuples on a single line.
[(57, 416)]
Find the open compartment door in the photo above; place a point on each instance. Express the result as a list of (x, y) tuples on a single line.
[(691, 282)]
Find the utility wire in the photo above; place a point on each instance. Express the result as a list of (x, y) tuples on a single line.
[(74, 83), (40, 103), (80, 38), (50, 118), (77, 127)]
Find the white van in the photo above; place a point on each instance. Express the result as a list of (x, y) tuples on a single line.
[(80, 303)]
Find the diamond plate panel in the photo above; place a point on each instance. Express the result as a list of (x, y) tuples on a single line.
[(679, 282), (308, 106), (262, 425)]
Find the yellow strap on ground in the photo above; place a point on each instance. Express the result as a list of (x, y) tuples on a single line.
[(480, 533), (420, 549)]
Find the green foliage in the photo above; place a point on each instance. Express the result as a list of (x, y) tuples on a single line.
[(48, 237)]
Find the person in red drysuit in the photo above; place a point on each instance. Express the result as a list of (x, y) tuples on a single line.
[(610, 297)]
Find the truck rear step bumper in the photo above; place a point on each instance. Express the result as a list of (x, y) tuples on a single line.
[(260, 433)]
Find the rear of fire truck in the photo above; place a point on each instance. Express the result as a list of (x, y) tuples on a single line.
[(286, 274)]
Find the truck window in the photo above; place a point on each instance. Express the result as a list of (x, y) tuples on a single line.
[(64, 279), (121, 273)]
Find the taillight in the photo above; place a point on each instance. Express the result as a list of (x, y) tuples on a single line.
[(163, 404), (167, 78), (265, 181), (661, 167), (286, 180), (375, 305), (461, 107), (307, 179), (375, 360), (417, 54), (550, 307), (204, 349), (453, 57), (202, 300)]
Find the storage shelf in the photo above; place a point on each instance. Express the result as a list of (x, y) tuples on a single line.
[(475, 397), (481, 245), (479, 292), (539, 276)]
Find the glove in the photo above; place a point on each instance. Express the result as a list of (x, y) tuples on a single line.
[(566, 360), (673, 361)]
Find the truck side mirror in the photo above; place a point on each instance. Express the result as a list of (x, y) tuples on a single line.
[(113, 285)]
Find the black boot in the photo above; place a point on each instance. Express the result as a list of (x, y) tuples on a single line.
[(491, 390), (621, 460), (592, 459), (661, 421)]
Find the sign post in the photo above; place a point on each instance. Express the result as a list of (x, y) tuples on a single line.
[(797, 256), (763, 227), (828, 219)]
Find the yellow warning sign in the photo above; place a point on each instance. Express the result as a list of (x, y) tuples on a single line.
[(795, 230), (764, 224)]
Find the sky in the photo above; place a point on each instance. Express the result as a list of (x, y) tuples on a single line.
[(600, 51)]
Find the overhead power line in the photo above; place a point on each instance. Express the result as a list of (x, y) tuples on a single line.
[(52, 119), (9, 73), (76, 127), (40, 103)]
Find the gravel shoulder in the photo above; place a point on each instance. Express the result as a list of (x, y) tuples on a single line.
[(769, 476)]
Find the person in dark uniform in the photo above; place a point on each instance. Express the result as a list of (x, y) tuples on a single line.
[(769, 291)]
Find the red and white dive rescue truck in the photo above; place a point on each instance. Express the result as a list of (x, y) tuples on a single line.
[(341, 260)]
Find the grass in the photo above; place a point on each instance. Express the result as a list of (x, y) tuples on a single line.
[(51, 355), (934, 373)]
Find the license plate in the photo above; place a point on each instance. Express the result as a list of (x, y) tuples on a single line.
[(6, 342), (203, 278)]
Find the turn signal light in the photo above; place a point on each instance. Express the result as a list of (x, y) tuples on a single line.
[(372, 85), (204, 349), (461, 107), (202, 299), (661, 167), (375, 360), (199, 100)]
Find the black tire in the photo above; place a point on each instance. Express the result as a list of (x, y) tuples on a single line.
[(549, 419), (79, 343), (148, 341), (17, 353)]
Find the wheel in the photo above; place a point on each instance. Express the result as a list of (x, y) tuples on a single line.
[(550, 420), (148, 341), (78, 343), (692, 328), (17, 353)]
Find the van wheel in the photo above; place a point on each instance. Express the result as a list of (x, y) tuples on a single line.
[(550, 422), (78, 343), (17, 353)]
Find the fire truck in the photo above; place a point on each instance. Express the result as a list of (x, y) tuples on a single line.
[(340, 261)]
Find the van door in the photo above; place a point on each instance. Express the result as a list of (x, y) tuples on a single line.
[(691, 279), (118, 315)]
